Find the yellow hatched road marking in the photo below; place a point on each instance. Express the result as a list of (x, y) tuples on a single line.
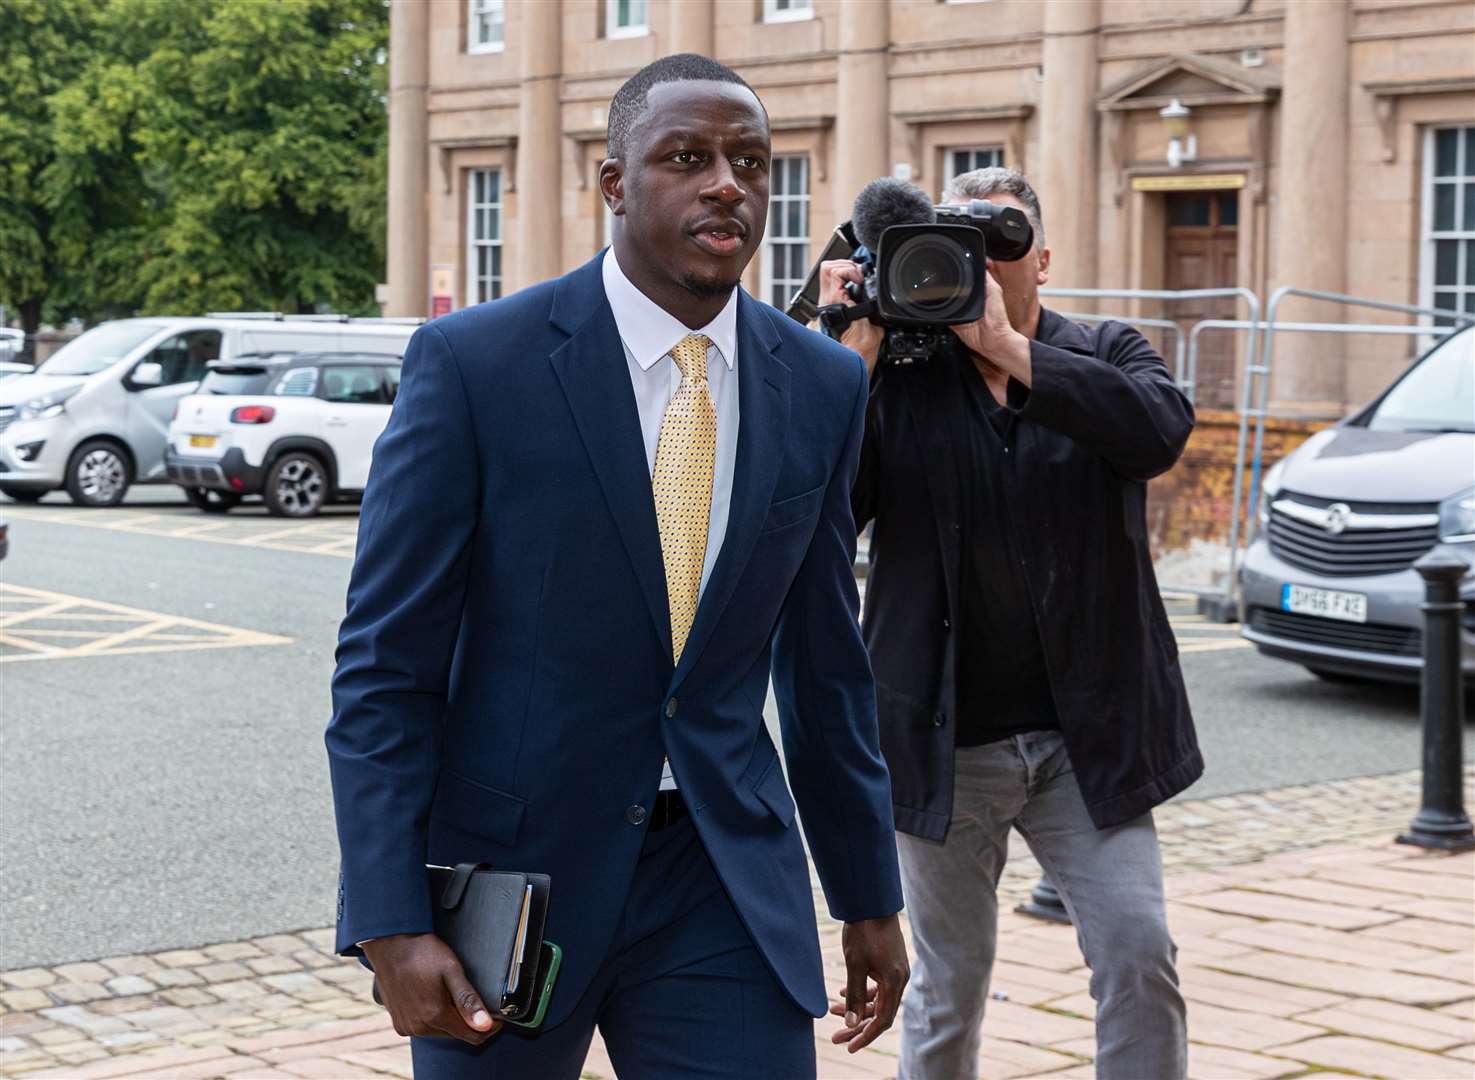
[(335, 535), (127, 630)]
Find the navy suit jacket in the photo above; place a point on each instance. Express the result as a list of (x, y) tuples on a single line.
[(505, 690)]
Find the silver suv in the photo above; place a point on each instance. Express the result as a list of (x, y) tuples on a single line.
[(1328, 581)]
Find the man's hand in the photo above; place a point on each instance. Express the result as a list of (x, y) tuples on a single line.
[(426, 991), (993, 338), (863, 335), (873, 949)]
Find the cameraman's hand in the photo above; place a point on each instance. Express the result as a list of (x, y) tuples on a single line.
[(862, 336), (993, 338), (426, 991)]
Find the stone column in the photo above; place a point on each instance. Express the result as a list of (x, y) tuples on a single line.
[(539, 252), (1310, 215), (862, 104), (691, 27), (407, 253), (1065, 176)]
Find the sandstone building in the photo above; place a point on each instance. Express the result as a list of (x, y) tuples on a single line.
[(1328, 144)]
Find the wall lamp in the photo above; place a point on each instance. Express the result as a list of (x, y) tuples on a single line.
[(1182, 143)]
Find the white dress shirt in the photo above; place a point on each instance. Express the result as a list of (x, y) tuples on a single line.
[(649, 332)]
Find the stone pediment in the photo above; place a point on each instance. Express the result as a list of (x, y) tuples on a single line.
[(1193, 79)]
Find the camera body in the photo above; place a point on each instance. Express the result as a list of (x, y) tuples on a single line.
[(923, 277)]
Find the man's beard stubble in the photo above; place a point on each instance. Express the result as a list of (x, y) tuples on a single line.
[(707, 290)]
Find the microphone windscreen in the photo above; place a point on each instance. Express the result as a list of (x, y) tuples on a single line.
[(886, 202)]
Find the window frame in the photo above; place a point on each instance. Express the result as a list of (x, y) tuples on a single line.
[(772, 13), (474, 8), (474, 243), (973, 149), (777, 205), (613, 31), (1464, 238)]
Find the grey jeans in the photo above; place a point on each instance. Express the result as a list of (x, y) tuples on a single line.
[(1112, 884)]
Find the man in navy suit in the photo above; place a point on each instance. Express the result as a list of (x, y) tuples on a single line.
[(605, 509)]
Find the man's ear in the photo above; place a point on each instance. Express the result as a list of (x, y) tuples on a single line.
[(612, 184), (1044, 271)]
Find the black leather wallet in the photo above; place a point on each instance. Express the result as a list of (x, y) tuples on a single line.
[(493, 921)]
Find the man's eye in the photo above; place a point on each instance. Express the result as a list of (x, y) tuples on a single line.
[(685, 157), (747, 161)]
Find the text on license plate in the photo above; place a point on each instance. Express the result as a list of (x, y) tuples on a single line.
[(1327, 603), (204, 441)]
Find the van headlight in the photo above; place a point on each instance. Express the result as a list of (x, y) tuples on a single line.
[(1457, 519), (1269, 489), (48, 405)]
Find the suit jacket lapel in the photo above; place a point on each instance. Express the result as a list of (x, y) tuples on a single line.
[(763, 407), (591, 368)]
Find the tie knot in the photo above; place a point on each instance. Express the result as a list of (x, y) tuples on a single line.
[(690, 355)]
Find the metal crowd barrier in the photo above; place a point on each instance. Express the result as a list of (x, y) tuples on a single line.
[(1254, 401)]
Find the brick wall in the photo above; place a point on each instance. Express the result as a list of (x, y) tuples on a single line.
[(1193, 500)]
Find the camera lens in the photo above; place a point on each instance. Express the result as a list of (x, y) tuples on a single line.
[(931, 275)]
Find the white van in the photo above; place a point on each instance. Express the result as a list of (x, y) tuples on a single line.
[(94, 418)]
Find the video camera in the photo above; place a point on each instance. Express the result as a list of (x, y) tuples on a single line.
[(923, 266)]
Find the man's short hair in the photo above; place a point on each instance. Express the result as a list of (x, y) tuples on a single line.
[(631, 99), (997, 180)]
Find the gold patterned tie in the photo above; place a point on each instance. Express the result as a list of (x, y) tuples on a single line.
[(686, 454)]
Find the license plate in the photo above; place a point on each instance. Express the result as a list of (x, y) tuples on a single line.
[(204, 442), (1326, 603)]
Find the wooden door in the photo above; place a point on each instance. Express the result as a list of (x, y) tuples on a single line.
[(1203, 248)]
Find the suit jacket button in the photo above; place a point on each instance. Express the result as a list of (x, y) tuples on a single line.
[(670, 708), (635, 815), (938, 719)]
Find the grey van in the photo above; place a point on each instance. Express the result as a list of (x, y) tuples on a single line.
[(1328, 581), (94, 418)]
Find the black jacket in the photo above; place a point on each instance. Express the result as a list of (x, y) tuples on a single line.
[(1102, 418)]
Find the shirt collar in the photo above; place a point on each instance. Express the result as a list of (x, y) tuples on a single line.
[(649, 331)]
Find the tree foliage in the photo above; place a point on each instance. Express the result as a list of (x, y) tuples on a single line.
[(206, 154)]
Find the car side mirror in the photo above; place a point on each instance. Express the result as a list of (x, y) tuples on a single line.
[(148, 374)]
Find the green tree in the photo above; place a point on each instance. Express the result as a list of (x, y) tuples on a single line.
[(218, 154), (44, 46)]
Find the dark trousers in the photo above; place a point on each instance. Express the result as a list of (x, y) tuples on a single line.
[(683, 994)]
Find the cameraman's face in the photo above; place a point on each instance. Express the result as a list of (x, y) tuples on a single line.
[(693, 185), (1022, 278)]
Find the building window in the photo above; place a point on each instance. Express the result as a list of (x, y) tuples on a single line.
[(1447, 277), (787, 10), (486, 25), (786, 260), (483, 235), (961, 159), (625, 18)]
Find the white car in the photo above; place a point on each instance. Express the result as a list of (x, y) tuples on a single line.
[(94, 416), (298, 430)]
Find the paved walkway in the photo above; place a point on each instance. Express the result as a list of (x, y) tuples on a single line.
[(1310, 945)]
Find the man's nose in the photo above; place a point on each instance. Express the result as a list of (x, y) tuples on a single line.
[(723, 185)]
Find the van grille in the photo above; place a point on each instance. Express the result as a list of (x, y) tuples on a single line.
[(7, 414), (1366, 547), (1334, 633)]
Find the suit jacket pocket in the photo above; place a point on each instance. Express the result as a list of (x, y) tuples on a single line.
[(473, 807), (795, 508), (774, 793)]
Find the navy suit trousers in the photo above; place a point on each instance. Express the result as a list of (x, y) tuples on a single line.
[(684, 994)]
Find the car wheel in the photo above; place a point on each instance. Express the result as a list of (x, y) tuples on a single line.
[(296, 485), (98, 474), (22, 495), (212, 501)]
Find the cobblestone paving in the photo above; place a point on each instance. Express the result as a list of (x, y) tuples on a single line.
[(1310, 944)]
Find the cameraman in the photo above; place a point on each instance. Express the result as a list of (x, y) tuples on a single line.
[(1026, 672)]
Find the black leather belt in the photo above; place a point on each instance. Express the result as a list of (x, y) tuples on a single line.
[(669, 808)]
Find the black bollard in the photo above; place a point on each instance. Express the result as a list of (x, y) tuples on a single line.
[(1044, 903), (1441, 822)]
